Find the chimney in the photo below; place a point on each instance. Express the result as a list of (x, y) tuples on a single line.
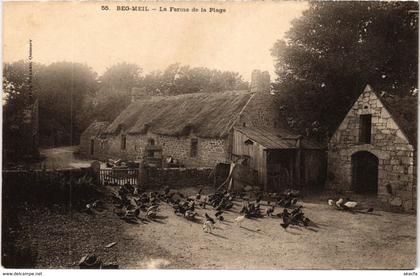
[(260, 81)]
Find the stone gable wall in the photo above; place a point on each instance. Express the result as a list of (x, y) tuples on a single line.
[(388, 143)]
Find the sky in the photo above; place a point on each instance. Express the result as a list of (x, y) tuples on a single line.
[(238, 39)]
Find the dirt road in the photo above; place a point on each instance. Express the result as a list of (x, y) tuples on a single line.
[(61, 158)]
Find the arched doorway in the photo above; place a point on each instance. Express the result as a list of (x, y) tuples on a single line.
[(365, 172)]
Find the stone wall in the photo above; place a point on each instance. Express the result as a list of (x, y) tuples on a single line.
[(210, 150), (177, 177), (388, 143)]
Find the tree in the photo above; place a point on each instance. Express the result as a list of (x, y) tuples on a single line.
[(62, 102), (119, 79), (334, 50), (17, 103), (182, 79)]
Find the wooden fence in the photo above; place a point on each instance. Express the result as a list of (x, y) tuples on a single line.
[(118, 176)]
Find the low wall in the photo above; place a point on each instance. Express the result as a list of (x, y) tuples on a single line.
[(48, 186)]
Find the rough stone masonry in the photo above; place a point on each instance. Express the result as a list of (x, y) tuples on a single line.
[(395, 154)]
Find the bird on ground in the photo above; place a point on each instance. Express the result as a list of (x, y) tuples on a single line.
[(190, 215), (350, 204), (198, 195), (270, 211), (208, 218), (370, 210), (339, 202), (239, 220), (286, 219), (208, 226), (151, 214), (284, 225), (218, 213), (330, 202), (306, 222)]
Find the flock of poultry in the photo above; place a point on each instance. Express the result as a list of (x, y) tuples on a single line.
[(133, 205)]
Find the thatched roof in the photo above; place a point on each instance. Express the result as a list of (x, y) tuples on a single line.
[(95, 129), (208, 115)]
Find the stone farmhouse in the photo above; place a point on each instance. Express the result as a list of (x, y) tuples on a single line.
[(373, 151), (204, 129)]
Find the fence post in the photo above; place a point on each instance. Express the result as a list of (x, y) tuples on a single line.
[(95, 167), (141, 175)]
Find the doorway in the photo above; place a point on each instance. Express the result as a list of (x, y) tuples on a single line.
[(365, 172)]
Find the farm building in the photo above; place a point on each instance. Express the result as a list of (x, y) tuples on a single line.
[(205, 129), (373, 151)]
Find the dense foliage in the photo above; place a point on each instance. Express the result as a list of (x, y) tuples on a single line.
[(334, 50)]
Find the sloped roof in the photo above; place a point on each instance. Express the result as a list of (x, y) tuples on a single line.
[(95, 129), (208, 115), (276, 138)]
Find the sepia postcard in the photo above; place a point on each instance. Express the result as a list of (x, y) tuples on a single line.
[(211, 135)]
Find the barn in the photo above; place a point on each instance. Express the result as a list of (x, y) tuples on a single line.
[(373, 152), (282, 159), (205, 129)]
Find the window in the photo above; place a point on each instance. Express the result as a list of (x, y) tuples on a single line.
[(365, 128), (194, 147), (151, 142), (92, 146), (123, 142)]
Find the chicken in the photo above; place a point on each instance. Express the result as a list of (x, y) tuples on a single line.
[(370, 210), (151, 214), (208, 218), (339, 202), (330, 202), (239, 220), (198, 195), (306, 222), (218, 213), (269, 211), (190, 215), (208, 226)]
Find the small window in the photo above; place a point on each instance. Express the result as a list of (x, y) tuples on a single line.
[(151, 142), (194, 147), (123, 142), (92, 146), (249, 142), (365, 128)]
